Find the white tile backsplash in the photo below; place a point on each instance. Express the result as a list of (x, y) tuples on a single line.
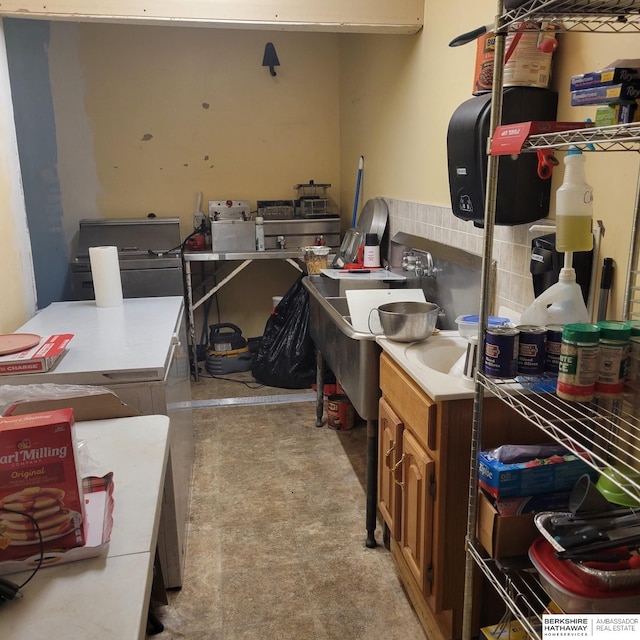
[(511, 246)]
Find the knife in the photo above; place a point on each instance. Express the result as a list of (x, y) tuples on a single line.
[(611, 540), (596, 534)]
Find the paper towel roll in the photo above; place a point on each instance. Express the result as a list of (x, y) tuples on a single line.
[(105, 269)]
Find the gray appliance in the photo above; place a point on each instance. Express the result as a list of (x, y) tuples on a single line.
[(149, 252)]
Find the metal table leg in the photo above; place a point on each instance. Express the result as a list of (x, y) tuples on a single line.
[(319, 388), (372, 482)]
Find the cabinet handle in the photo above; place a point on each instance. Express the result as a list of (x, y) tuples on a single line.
[(388, 453), (400, 483)]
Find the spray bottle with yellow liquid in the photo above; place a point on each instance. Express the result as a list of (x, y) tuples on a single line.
[(574, 206)]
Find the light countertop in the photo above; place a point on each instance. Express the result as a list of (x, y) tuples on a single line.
[(133, 339), (105, 597), (444, 350)]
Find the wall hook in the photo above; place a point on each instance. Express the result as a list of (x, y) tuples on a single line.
[(270, 58)]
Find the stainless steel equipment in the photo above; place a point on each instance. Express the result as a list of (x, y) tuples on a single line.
[(148, 252), (301, 232)]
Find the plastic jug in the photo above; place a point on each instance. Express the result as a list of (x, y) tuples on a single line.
[(561, 303)]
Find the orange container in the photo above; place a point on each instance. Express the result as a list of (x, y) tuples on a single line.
[(340, 412)]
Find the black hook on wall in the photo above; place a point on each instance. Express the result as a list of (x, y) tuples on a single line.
[(270, 58)]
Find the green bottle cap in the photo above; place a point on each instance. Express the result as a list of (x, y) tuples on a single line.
[(613, 330), (581, 332)]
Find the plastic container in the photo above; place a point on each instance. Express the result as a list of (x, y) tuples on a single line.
[(260, 233), (468, 325), (609, 486), (371, 251), (561, 303), (612, 359), (316, 258), (574, 206), (570, 592), (578, 368)]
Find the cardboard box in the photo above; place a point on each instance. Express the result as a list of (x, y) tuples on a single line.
[(99, 503), (557, 501), (607, 94), (608, 115), (510, 630), (504, 536), (540, 475), (40, 358), (39, 483), (93, 406), (611, 75)]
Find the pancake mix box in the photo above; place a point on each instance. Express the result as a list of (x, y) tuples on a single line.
[(40, 486)]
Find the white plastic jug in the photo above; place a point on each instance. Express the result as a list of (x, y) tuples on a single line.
[(561, 303)]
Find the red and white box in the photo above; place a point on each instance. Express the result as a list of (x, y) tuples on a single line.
[(38, 359), (40, 487)]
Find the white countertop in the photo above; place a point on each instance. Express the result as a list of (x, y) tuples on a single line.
[(437, 385), (135, 338), (107, 597)]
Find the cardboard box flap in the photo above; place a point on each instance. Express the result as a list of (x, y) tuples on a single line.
[(88, 403)]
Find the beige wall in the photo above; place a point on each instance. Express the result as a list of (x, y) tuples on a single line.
[(336, 97), (16, 276), (147, 117), (398, 94)]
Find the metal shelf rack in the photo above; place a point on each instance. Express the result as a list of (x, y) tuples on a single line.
[(603, 434), (604, 16)]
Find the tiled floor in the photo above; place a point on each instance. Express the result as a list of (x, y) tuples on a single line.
[(276, 533)]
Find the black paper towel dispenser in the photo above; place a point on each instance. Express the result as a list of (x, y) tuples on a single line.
[(522, 195)]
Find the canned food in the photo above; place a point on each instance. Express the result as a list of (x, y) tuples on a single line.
[(612, 358), (531, 349), (552, 349), (501, 352), (578, 369)]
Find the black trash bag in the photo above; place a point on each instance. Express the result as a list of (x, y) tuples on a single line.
[(286, 356)]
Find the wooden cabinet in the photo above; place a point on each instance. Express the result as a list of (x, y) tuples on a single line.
[(423, 482)]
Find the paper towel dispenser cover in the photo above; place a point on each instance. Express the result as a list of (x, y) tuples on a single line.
[(522, 196)]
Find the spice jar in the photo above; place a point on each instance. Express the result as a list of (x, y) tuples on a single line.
[(578, 366), (632, 382), (612, 358)]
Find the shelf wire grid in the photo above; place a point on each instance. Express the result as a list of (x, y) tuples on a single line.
[(591, 16), (516, 581), (604, 432), (622, 137)]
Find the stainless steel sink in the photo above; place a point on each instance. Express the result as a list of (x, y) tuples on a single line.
[(353, 356)]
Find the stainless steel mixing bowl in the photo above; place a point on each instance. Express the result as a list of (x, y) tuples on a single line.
[(407, 321)]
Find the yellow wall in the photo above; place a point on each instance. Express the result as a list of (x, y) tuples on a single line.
[(397, 96), (336, 97), (16, 277), (147, 117)]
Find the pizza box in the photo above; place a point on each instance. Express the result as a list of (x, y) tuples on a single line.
[(98, 504), (38, 359)]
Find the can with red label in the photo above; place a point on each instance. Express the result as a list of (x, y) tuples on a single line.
[(531, 349), (501, 352)]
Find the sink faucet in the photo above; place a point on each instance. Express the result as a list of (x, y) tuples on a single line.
[(426, 269)]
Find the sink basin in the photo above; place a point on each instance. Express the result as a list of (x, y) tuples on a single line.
[(439, 353)]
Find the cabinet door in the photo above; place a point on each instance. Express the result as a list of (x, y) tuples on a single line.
[(416, 539), (389, 473)]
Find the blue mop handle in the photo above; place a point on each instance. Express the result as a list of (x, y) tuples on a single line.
[(357, 196)]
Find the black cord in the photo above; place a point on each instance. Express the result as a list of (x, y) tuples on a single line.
[(10, 585), (249, 385)]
